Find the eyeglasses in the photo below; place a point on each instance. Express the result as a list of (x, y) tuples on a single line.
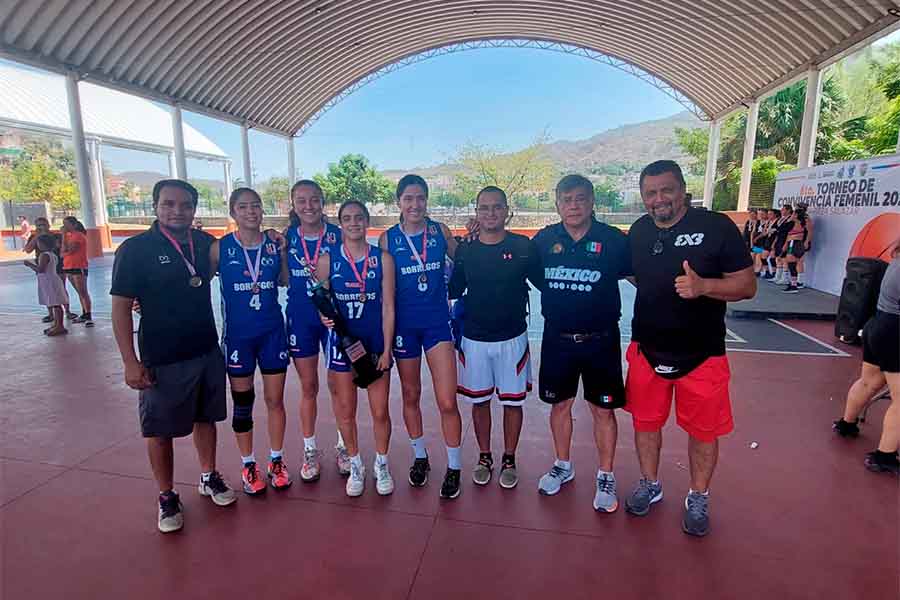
[(485, 209), (658, 246)]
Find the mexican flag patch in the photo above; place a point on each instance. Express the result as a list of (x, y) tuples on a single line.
[(594, 247)]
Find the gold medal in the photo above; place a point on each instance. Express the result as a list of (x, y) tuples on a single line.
[(195, 281), (255, 289), (362, 296), (423, 278)]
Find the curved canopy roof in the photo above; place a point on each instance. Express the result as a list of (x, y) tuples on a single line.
[(34, 99), (275, 64)]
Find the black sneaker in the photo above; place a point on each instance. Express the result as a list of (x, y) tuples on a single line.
[(418, 472), (878, 462), (450, 487), (790, 289), (845, 428), (47, 319), (769, 276), (171, 515)]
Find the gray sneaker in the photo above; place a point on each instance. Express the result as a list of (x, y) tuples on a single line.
[(509, 475), (643, 496), (553, 480), (171, 513), (343, 460), (481, 474), (216, 488), (696, 514), (605, 499)]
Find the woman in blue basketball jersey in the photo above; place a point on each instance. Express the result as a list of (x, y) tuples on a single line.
[(361, 278), (420, 248), (308, 237), (249, 268)]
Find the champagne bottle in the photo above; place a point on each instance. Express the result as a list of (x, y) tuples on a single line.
[(365, 365)]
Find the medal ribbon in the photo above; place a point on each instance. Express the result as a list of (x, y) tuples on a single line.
[(360, 278), (424, 256), (254, 270), (174, 242), (311, 262)]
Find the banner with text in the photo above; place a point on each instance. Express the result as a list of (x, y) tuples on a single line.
[(843, 198)]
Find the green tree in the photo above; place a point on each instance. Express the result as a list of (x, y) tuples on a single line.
[(275, 194), (354, 178), (694, 142), (521, 174), (209, 197), (607, 195)]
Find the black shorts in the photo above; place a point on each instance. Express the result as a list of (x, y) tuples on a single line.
[(596, 361), (186, 392), (75, 272), (881, 342), (795, 248)]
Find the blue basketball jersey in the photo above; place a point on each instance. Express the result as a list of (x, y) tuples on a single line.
[(299, 304), (420, 302), (362, 316), (245, 314)]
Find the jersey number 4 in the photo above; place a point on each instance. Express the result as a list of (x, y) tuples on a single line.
[(255, 302)]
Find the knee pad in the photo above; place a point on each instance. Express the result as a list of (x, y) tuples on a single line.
[(242, 417)]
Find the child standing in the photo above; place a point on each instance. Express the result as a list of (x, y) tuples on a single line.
[(51, 289)]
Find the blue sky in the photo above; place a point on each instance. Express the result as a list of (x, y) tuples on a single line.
[(421, 114)]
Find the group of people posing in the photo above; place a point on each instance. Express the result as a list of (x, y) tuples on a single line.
[(779, 240), (60, 257), (396, 297)]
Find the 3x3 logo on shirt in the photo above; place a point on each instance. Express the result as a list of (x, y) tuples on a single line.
[(689, 239)]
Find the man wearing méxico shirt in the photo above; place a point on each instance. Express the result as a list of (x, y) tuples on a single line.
[(687, 264)]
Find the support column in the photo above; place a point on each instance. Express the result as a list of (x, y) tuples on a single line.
[(178, 136), (712, 159), (810, 126), (98, 190), (245, 154), (292, 171), (82, 165), (897, 150), (226, 168), (747, 162), (173, 165)]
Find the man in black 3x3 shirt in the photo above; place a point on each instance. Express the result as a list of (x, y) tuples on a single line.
[(180, 374), (687, 264), (583, 262), (494, 356)]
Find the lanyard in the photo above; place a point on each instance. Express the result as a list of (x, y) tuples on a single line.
[(311, 262), (412, 248), (251, 268), (188, 264), (360, 278)]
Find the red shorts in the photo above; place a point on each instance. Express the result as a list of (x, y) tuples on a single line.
[(702, 405)]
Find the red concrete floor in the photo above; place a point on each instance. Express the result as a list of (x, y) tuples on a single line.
[(798, 517)]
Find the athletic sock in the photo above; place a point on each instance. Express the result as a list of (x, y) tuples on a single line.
[(779, 273), (273, 454), (356, 460), (340, 440), (380, 459), (801, 278), (601, 472), (309, 443), (454, 458), (563, 464), (204, 477), (250, 458), (418, 446), (693, 491)]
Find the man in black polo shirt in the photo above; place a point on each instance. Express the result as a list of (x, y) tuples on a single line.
[(180, 374), (583, 262), (493, 355), (687, 264)]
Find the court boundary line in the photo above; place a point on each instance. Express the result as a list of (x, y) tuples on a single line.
[(837, 351)]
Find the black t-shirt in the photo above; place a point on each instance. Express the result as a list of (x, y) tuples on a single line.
[(176, 319), (493, 277), (581, 292), (663, 320)]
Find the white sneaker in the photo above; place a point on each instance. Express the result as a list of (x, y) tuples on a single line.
[(356, 482), (384, 483)]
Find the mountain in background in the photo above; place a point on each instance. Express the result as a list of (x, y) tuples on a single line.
[(625, 149)]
